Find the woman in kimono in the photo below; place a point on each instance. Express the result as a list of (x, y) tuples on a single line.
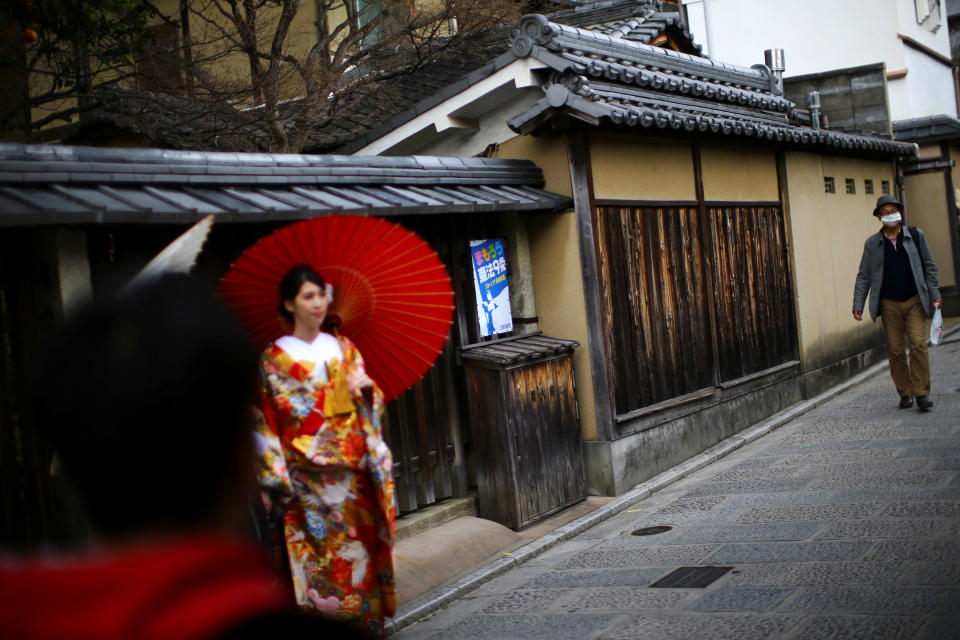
[(323, 465)]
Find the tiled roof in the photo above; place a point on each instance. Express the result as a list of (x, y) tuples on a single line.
[(640, 20), (42, 184), (927, 129), (392, 102), (599, 77)]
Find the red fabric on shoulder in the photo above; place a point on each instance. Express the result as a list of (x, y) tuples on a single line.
[(191, 590)]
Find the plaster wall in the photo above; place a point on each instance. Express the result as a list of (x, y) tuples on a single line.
[(898, 99), (731, 173), (632, 167), (928, 150), (926, 202), (938, 39), (826, 232), (491, 129), (548, 152), (928, 87)]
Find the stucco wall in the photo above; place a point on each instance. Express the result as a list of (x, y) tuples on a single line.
[(731, 173), (548, 152), (926, 202), (928, 87), (826, 233), (632, 167)]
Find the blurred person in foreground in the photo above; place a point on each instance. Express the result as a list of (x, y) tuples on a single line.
[(323, 464), (145, 398)]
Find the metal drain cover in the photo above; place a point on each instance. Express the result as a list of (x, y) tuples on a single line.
[(690, 577), (651, 531)]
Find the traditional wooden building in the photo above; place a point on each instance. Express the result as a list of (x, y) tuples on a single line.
[(709, 263), (678, 217), (77, 222)]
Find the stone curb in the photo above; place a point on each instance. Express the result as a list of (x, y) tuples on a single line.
[(441, 597)]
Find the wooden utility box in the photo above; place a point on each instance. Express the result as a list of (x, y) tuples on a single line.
[(526, 427)]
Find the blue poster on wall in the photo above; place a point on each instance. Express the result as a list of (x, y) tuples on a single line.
[(490, 286)]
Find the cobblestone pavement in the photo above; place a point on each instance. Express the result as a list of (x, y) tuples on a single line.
[(844, 523)]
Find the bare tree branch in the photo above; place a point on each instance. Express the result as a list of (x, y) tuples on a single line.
[(238, 74)]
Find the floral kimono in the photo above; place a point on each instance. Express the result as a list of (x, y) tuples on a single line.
[(323, 459)]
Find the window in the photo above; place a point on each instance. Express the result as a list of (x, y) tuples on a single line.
[(851, 185), (928, 14), (381, 19), (885, 186), (868, 187), (828, 185)]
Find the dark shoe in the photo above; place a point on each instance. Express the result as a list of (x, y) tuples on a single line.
[(924, 403), (906, 402)]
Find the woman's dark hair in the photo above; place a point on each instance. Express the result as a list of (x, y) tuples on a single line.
[(291, 283)]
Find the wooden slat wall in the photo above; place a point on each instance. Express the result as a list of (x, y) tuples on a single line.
[(655, 265), (655, 303), (756, 328)]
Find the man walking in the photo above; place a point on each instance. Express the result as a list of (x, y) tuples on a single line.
[(901, 277)]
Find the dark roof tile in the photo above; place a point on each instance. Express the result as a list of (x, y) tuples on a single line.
[(91, 185)]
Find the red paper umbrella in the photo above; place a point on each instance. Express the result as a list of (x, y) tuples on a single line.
[(392, 293)]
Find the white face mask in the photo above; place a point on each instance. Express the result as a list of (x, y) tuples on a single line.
[(891, 219)]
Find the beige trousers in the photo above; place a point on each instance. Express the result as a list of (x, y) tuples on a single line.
[(907, 319)]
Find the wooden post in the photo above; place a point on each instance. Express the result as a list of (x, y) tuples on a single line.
[(707, 248), (578, 150), (951, 210)]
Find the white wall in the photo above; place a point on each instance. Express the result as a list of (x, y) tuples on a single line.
[(929, 88), (697, 23), (816, 34), (907, 19), (822, 35)]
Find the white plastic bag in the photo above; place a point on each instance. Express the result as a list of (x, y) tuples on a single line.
[(936, 327)]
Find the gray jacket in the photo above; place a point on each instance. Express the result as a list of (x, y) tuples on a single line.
[(870, 275)]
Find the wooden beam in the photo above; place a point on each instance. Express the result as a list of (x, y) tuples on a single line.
[(578, 154), (896, 75), (924, 49), (707, 258), (783, 188), (952, 221)]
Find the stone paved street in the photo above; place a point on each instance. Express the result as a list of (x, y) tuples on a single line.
[(844, 523)]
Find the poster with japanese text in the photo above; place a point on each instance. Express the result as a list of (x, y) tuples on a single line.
[(490, 286)]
